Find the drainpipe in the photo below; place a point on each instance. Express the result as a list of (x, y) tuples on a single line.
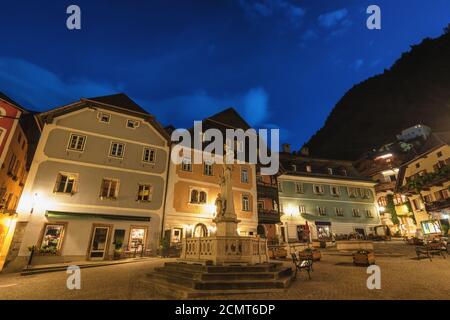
[(165, 194)]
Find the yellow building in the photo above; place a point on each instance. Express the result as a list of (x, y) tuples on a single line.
[(426, 179), (193, 189)]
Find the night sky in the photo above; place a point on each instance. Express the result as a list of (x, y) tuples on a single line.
[(281, 63)]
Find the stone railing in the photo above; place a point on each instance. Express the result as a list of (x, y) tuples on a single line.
[(225, 250)]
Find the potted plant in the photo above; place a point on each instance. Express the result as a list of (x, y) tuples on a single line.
[(364, 257)]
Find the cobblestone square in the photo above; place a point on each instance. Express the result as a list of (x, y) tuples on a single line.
[(335, 277)]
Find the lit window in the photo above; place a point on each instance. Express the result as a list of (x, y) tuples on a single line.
[(244, 175), (245, 203), (144, 192), (76, 142), (104, 117), (149, 155), (132, 124), (109, 189), (117, 149), (52, 238), (65, 183)]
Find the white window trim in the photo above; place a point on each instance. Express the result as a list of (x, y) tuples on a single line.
[(320, 186), (302, 190), (70, 140), (116, 195), (190, 164), (100, 114), (143, 155), (248, 202), (338, 193), (199, 190), (208, 163), (136, 125), (150, 193), (74, 186), (246, 173), (110, 150)]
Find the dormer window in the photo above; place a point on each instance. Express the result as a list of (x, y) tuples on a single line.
[(104, 117), (132, 124), (308, 168), (330, 170), (294, 167)]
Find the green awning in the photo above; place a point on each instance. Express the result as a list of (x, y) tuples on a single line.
[(81, 215)]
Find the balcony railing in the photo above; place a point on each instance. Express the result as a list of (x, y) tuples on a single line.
[(268, 216), (438, 205)]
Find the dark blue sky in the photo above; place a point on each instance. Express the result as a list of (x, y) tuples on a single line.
[(281, 63)]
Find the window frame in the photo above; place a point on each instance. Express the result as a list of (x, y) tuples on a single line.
[(150, 150), (300, 190), (322, 189), (101, 114), (245, 198), (63, 224), (246, 175), (210, 172), (136, 123), (184, 164), (111, 149), (72, 135), (150, 191), (68, 175), (116, 191), (338, 191)]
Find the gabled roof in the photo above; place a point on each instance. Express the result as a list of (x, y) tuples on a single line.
[(119, 100), (228, 118)]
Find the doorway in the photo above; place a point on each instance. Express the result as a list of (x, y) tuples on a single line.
[(138, 236), (99, 245)]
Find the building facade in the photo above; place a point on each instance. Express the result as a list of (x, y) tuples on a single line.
[(193, 188), (426, 180), (15, 151), (321, 200), (96, 184)]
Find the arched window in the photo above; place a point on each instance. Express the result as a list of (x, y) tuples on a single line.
[(200, 230), (194, 196)]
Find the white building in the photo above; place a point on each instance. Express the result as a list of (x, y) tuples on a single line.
[(416, 131)]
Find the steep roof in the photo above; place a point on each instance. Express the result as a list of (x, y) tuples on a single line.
[(120, 100), (228, 118), (11, 101)]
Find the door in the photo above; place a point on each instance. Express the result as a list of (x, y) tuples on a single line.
[(138, 236), (99, 242)]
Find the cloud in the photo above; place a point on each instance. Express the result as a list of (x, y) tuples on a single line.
[(333, 19), (309, 34), (357, 64), (253, 105), (271, 8), (38, 88)]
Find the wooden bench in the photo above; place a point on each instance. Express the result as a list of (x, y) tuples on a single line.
[(302, 264)]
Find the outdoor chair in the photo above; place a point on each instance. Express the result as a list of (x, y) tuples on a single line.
[(430, 249), (302, 264)]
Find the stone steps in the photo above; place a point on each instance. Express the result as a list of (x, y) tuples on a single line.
[(227, 278)]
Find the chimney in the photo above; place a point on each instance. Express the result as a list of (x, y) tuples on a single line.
[(304, 151), (286, 147)]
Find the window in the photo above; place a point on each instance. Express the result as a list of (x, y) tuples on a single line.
[(344, 172), (208, 169), (299, 187), (334, 190), (132, 124), (308, 168), (66, 183), (322, 211), (245, 203), (382, 201), (109, 189), (330, 170), (440, 164), (198, 196), (416, 204), (439, 154), (366, 193), (149, 155), (356, 213), (280, 186), (302, 208), (294, 167), (145, 193), (76, 142), (117, 149), (318, 189), (52, 237), (427, 198), (104, 117), (418, 165), (339, 212), (260, 204), (244, 175), (352, 192), (369, 213), (186, 164), (399, 199)]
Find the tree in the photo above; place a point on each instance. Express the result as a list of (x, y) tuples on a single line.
[(391, 209)]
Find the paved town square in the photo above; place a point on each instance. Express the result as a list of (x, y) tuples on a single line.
[(335, 277)]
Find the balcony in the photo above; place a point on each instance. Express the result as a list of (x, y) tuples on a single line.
[(266, 216), (438, 205)]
